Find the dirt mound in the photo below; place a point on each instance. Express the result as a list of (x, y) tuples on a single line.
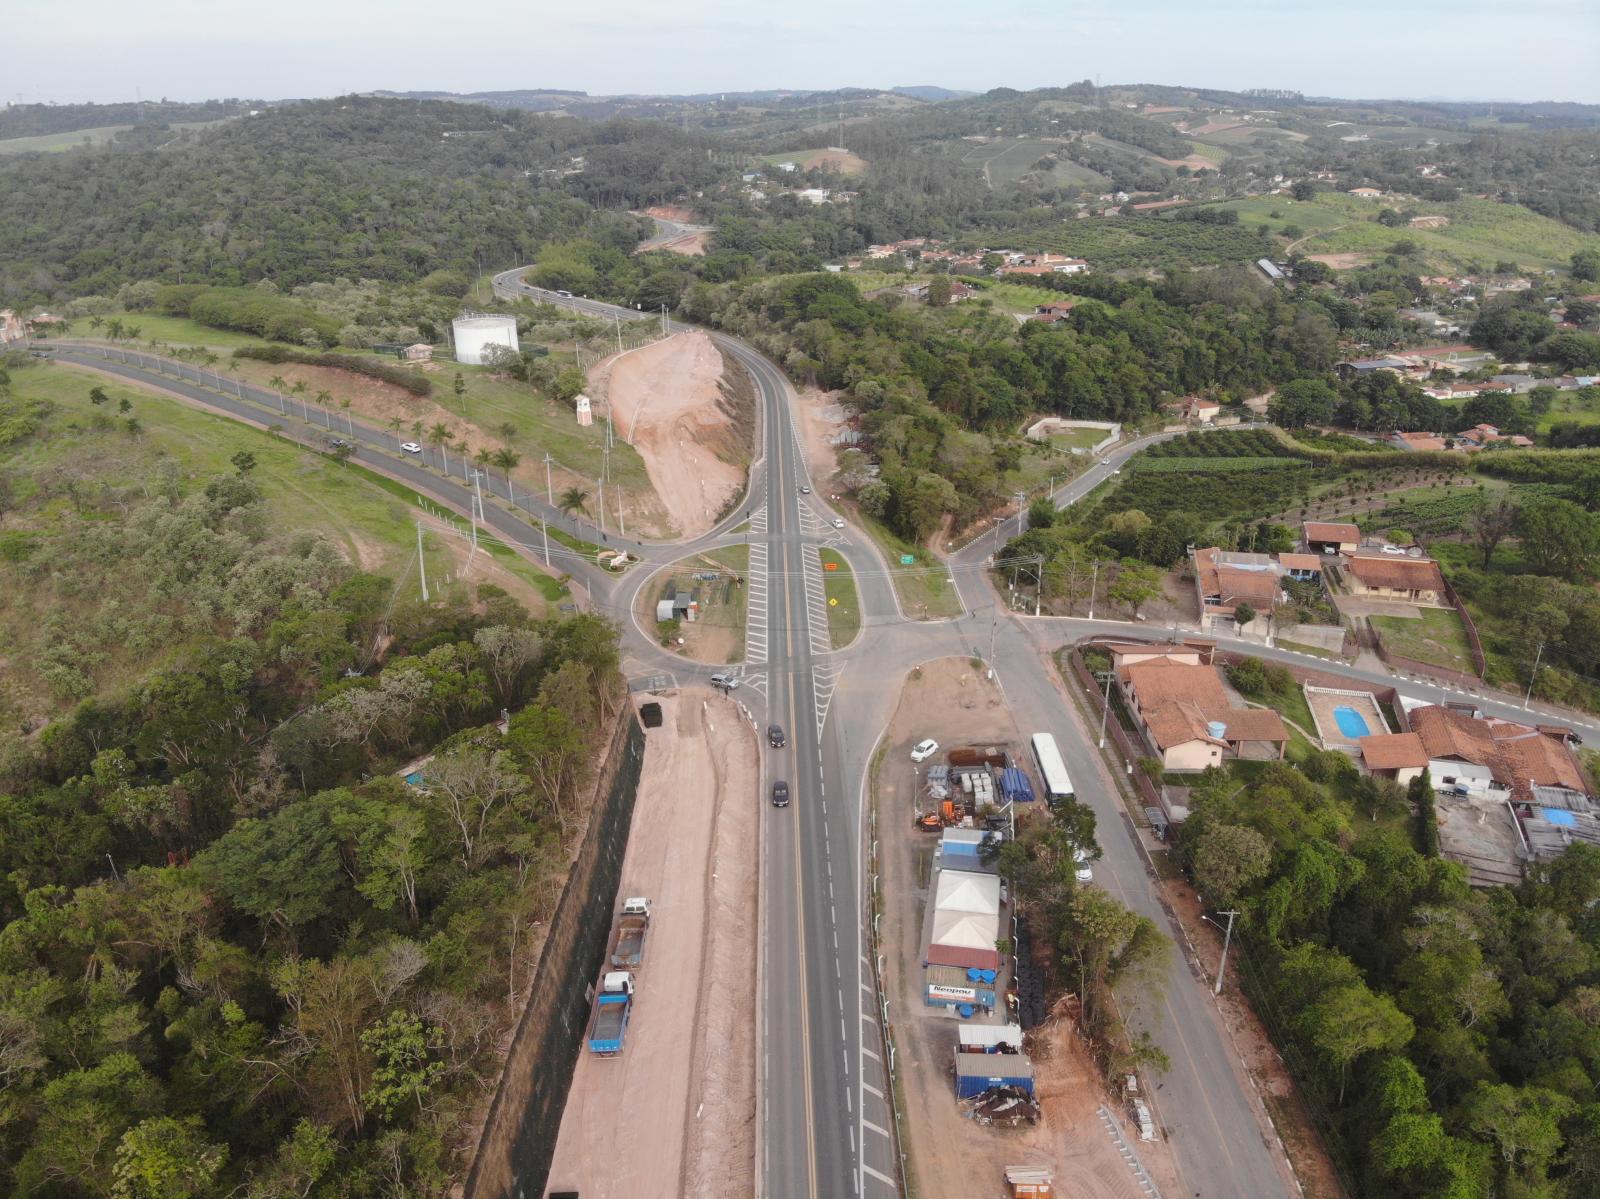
[(842, 161), (691, 244), (669, 400), (671, 212)]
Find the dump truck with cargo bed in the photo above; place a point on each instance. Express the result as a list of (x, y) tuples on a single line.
[(612, 1006), (627, 939)]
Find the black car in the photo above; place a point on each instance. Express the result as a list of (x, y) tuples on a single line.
[(775, 737), (780, 794)]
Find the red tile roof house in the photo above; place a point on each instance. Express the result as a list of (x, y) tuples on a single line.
[(1496, 756), (1188, 719), (1398, 756), (1226, 580), (1322, 535), (1379, 576), (1417, 441)]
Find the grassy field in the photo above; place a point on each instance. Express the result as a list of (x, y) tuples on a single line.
[(175, 331), (925, 588), (1117, 243), (1570, 406), (1438, 637), (1077, 439), (1017, 297), (844, 604), (717, 635), (1005, 162), (1480, 231), (372, 522), (55, 143)]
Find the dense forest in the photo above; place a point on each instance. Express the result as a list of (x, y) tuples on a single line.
[(33, 120), (240, 955), (359, 189), (1445, 1037), (941, 391)]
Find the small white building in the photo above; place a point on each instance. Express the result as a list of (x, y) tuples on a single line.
[(585, 411)]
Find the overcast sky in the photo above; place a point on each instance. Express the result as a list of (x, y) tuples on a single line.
[(107, 50)]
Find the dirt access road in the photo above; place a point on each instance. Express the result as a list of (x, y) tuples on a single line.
[(668, 401), (674, 1114), (950, 1157)]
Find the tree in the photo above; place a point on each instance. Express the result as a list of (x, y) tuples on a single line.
[(1349, 1021), (98, 396), (439, 434), (458, 385), (1135, 585), (1586, 265), (81, 1117), (1303, 402), (1492, 523), (569, 384), (1559, 537), (1304, 189), (1420, 795), (939, 291), (402, 1074), (1243, 614), (1523, 1123), (244, 462), (167, 1158), (1228, 860), (506, 459), (574, 499), (283, 868), (506, 431)]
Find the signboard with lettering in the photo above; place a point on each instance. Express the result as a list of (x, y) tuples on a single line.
[(954, 994)]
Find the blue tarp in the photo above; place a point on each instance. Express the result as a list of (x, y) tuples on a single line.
[(1014, 785), (1557, 816)]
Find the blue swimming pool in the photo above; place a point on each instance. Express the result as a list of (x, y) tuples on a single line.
[(1351, 723)]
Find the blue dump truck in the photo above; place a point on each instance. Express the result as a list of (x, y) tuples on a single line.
[(608, 1024)]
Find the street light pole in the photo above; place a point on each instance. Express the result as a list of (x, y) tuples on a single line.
[(1094, 579), (550, 488), (1105, 708)]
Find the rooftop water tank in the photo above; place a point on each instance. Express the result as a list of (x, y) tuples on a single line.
[(1216, 729)]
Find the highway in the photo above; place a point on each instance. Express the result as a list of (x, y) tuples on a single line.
[(824, 1124)]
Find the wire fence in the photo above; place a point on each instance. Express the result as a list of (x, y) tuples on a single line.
[(880, 992)]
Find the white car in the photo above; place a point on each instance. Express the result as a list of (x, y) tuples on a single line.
[(1394, 551), (1105, 462), (805, 489), (923, 750), (836, 523), (1083, 873), (411, 447)]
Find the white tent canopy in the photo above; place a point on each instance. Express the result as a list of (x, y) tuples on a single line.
[(965, 930), (964, 891)]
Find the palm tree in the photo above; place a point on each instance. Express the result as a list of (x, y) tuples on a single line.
[(394, 427), (507, 459), (133, 332), (95, 322), (574, 499), (277, 384), (416, 429), (439, 436), (114, 329), (299, 389), (507, 431), (483, 457), (323, 399)]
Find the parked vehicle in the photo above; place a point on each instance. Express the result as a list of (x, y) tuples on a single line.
[(836, 523), (627, 939), (411, 447), (923, 750), (608, 1024), (725, 681), (775, 737), (780, 794)]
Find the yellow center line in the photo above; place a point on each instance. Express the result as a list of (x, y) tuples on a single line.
[(785, 499)]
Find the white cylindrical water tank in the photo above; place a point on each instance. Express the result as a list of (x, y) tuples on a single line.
[(475, 333)]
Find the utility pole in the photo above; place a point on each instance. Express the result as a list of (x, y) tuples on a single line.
[(1106, 707), (544, 530), (601, 484), (1528, 698), (1227, 940), (422, 562), (1022, 513), (549, 487), (477, 505), (622, 525), (1093, 580), (617, 319)]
